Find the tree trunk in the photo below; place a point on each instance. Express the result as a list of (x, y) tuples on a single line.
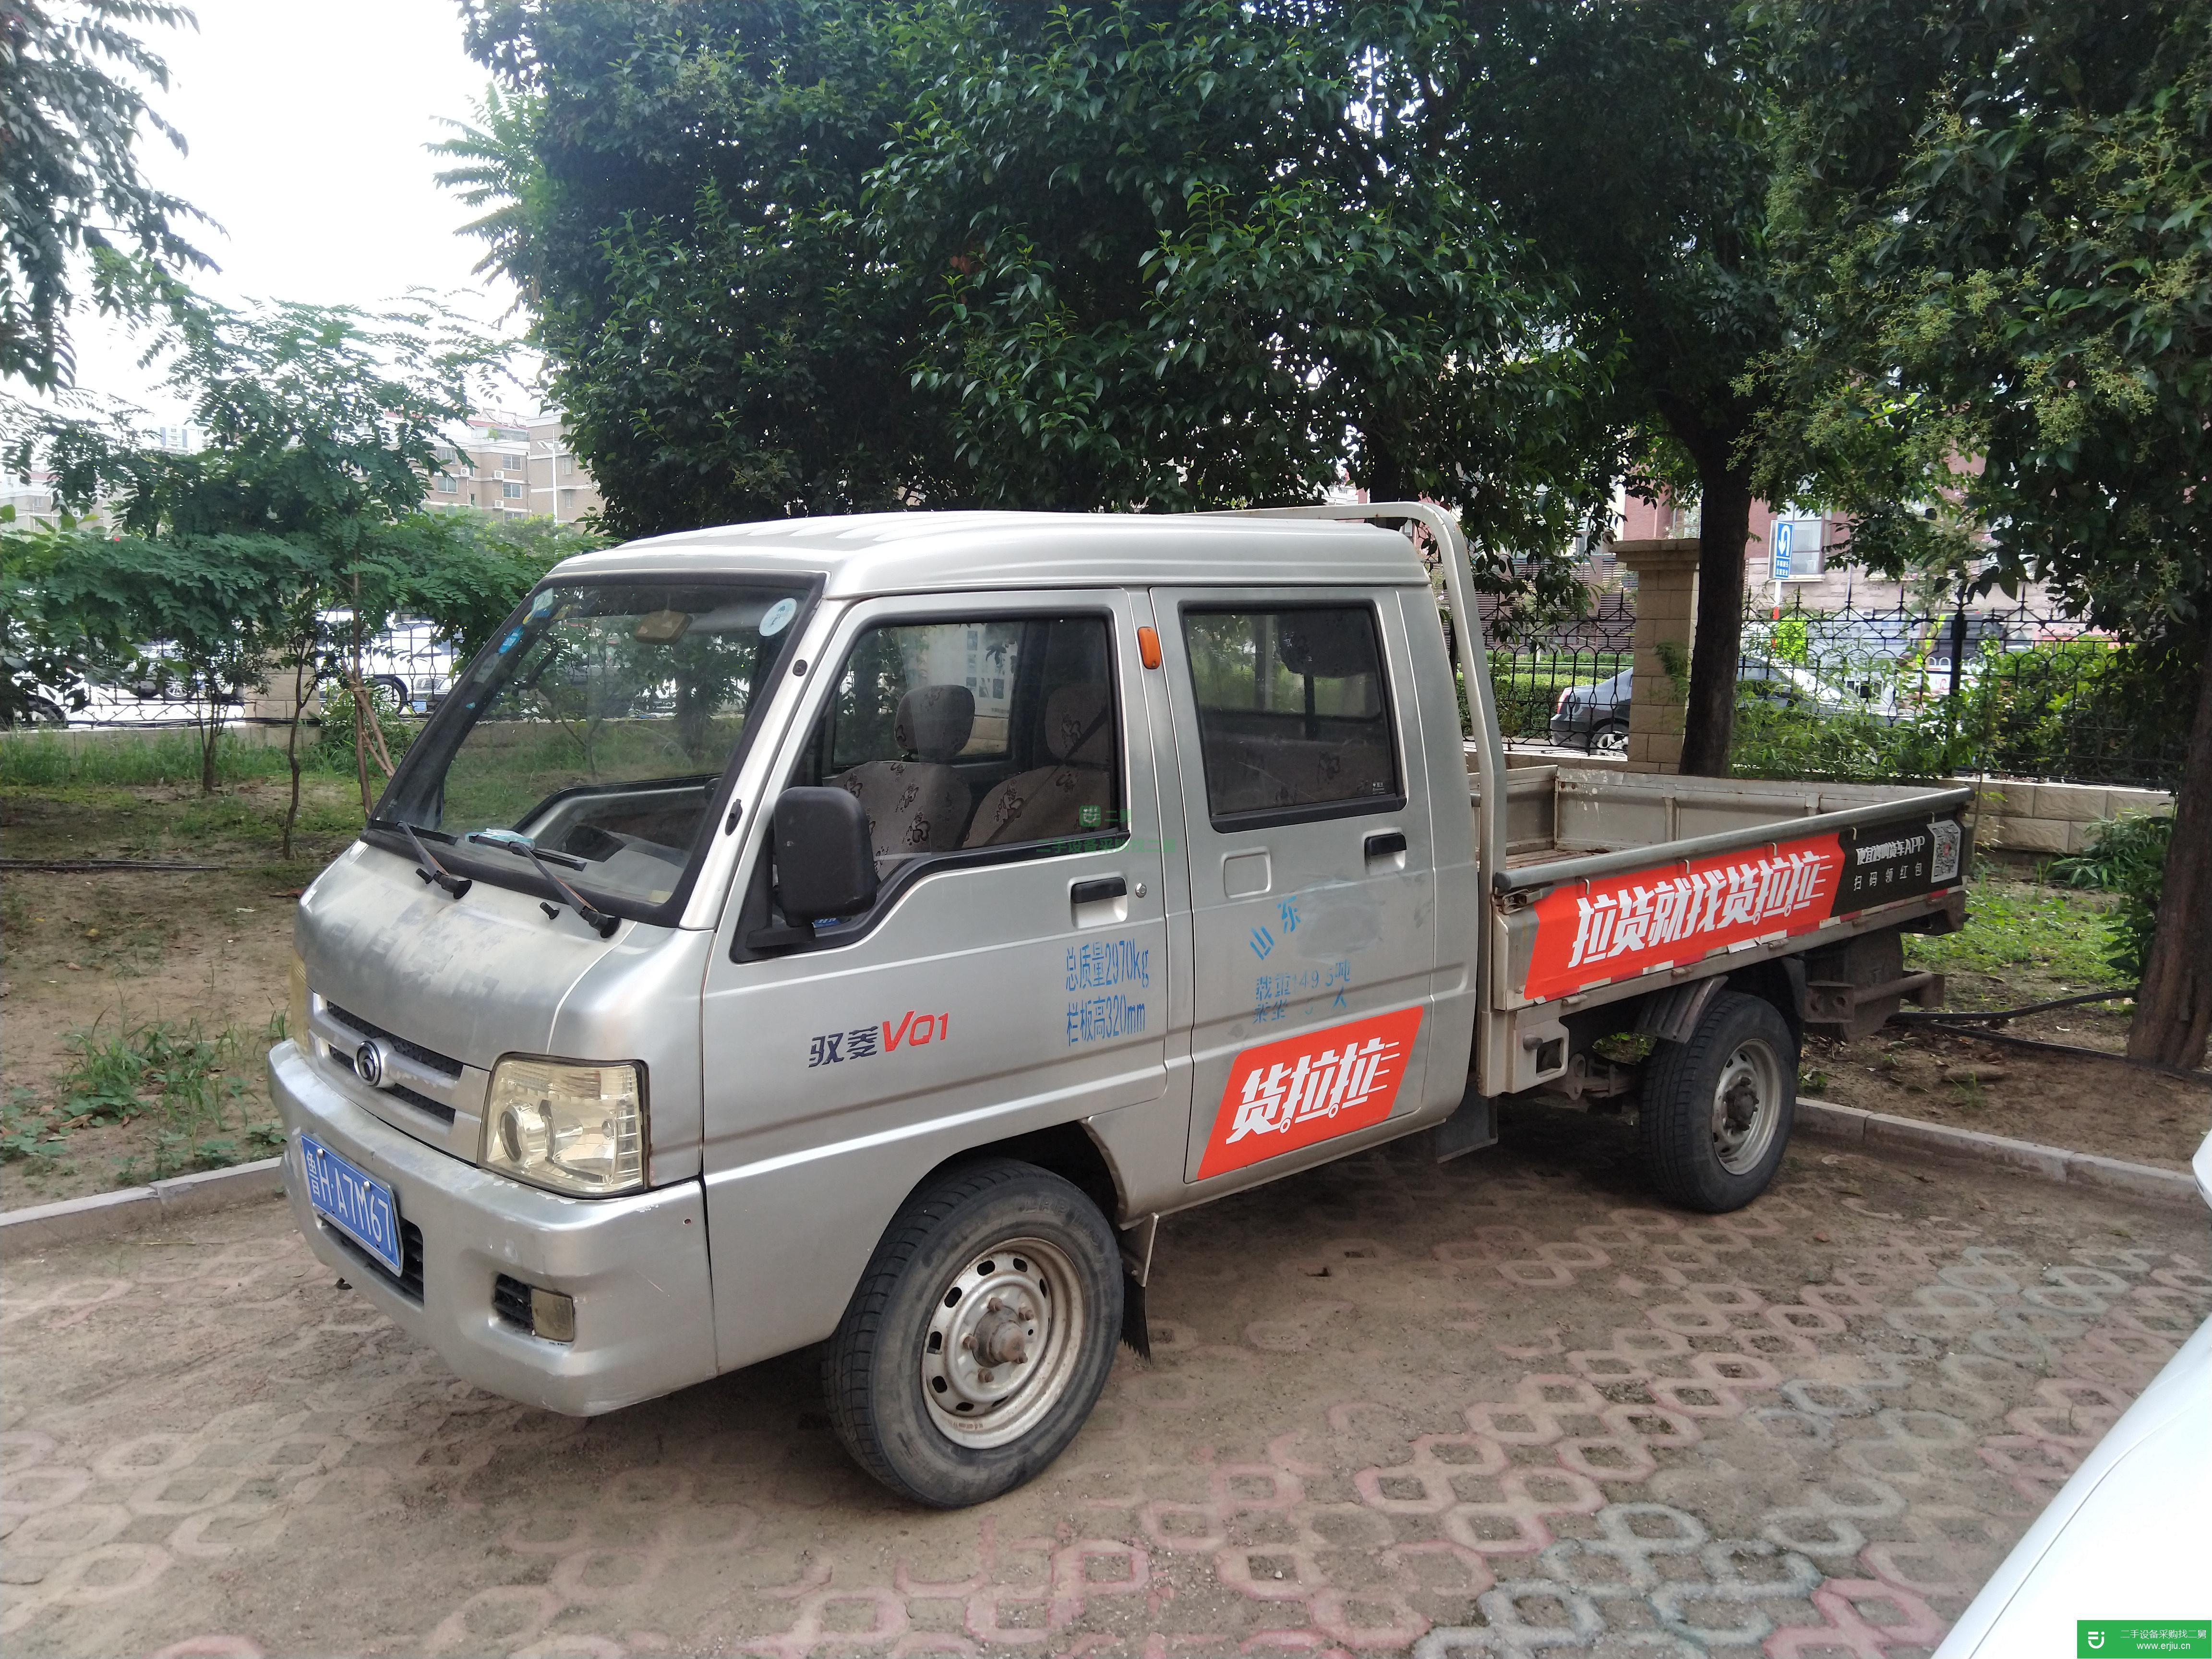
[(291, 745), (1709, 721), (360, 714), (2173, 1009), (210, 734)]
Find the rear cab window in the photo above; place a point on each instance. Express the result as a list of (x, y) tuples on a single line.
[(1293, 711)]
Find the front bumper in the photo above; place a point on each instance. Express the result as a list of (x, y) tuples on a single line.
[(636, 1266)]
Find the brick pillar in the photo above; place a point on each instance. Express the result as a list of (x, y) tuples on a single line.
[(1665, 614)]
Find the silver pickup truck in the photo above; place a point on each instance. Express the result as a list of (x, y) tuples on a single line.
[(859, 931)]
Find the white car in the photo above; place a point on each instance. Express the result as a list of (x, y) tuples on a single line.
[(2128, 1540)]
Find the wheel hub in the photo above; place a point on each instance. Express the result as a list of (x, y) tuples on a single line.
[(1746, 1102), (1001, 1341)]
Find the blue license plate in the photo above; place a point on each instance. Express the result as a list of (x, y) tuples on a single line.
[(359, 1206)]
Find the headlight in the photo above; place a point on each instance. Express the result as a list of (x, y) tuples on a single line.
[(295, 1010), (573, 1127)]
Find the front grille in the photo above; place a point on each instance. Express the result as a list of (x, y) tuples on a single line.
[(414, 1051), (408, 1281), (423, 1102), (510, 1300)]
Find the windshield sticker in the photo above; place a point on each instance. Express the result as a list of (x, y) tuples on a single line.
[(1594, 932), (1272, 992), (1285, 1095), (509, 644), (915, 1031), (542, 606), (778, 617)]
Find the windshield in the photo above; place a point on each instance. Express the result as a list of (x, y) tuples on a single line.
[(594, 734)]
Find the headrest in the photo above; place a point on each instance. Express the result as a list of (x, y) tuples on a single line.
[(1079, 726), (1327, 644), (934, 721)]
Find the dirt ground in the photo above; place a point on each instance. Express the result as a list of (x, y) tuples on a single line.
[(2028, 941), (1502, 1406), (2084, 1105), (100, 953)]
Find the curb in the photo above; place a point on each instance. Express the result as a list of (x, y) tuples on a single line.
[(2051, 1163), (103, 1215)]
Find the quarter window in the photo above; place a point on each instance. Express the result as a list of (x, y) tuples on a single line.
[(1293, 714)]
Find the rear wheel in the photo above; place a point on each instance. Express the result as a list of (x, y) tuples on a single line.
[(1611, 739), (1716, 1108), (980, 1336)]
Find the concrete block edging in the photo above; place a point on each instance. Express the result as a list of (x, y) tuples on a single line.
[(1828, 1121), (107, 1215)]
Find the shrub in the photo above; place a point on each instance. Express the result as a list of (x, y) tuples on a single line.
[(334, 748), (2126, 856)]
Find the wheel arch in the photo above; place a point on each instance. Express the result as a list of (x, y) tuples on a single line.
[(1066, 1149), (1780, 981)]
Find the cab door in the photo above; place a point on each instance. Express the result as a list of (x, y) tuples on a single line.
[(1310, 870), (1011, 978)]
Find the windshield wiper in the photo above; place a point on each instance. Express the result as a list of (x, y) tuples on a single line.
[(437, 873), (515, 841)]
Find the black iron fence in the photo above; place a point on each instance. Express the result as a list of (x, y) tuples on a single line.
[(2014, 690)]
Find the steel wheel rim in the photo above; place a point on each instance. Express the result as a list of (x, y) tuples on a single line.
[(1019, 1297), (1746, 1106)]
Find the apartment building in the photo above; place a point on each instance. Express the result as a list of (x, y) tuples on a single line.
[(488, 470), (561, 488), (520, 465)]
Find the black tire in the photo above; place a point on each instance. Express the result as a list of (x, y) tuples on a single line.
[(1010, 1232), (1701, 1152)]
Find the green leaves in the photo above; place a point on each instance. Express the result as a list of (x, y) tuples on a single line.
[(71, 105)]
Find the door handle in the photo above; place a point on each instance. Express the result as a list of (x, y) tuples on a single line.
[(1092, 892), (1383, 842)]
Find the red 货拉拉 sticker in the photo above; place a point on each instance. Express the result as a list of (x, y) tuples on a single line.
[(1292, 1093)]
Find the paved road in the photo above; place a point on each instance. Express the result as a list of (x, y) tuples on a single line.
[(1504, 1407)]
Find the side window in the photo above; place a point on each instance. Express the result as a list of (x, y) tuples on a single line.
[(1293, 713), (963, 734)]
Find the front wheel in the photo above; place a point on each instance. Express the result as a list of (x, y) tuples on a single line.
[(980, 1336), (1716, 1108)]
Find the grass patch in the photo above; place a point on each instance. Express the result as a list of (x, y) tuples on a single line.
[(195, 1097), (2032, 939), (45, 760)]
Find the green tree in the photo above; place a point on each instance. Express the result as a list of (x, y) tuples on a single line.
[(824, 255), (1205, 254), (320, 424), (70, 110), (677, 189), (1629, 144), (194, 614), (1999, 216)]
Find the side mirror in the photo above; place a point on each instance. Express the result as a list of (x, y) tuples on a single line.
[(825, 863)]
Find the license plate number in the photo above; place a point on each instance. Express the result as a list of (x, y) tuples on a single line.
[(357, 1205)]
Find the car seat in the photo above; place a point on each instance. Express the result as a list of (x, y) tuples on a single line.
[(1048, 801), (918, 804)]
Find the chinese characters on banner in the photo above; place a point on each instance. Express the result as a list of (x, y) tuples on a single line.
[(1596, 932), (1285, 1095)]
